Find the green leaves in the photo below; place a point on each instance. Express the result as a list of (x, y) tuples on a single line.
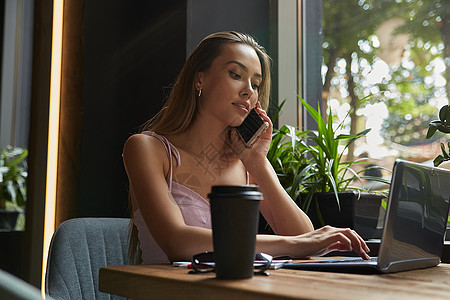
[(442, 157), (444, 115), (286, 155), (13, 174), (442, 125)]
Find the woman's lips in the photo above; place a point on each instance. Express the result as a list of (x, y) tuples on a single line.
[(242, 106)]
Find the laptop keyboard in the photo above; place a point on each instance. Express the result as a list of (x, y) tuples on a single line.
[(356, 260)]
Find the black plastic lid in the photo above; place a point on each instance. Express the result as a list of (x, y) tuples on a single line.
[(235, 191), (234, 188)]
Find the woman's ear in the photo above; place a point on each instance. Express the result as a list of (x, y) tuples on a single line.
[(199, 80)]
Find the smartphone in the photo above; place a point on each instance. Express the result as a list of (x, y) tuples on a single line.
[(251, 129)]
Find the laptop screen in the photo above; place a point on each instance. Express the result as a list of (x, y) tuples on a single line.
[(416, 219)]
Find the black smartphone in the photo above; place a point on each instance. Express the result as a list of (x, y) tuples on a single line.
[(252, 127)]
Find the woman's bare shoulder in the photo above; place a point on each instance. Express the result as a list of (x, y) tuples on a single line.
[(142, 146), (136, 141)]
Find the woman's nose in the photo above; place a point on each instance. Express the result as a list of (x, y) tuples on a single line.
[(248, 90)]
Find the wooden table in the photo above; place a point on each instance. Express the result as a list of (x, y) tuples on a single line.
[(167, 282)]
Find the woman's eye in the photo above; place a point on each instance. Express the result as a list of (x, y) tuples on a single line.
[(255, 86), (235, 75)]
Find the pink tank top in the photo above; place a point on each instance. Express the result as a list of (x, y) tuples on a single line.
[(194, 208)]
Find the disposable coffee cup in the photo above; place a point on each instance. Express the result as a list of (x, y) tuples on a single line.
[(234, 217)]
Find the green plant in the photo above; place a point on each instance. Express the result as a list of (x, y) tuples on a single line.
[(287, 155), (442, 125), (308, 162), (13, 175)]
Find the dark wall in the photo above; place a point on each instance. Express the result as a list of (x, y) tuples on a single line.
[(256, 17), (206, 17), (132, 49)]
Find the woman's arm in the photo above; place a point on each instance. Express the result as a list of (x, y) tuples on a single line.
[(146, 163)]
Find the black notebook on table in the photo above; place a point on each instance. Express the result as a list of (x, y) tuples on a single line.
[(414, 226)]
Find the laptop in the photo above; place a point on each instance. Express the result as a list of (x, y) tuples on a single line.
[(414, 227)]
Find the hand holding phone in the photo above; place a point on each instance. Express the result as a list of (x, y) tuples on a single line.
[(252, 128)]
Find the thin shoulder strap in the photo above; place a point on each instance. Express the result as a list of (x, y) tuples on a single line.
[(171, 151)]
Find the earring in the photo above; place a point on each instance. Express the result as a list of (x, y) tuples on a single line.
[(199, 92)]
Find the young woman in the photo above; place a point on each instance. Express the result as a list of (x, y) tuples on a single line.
[(190, 146)]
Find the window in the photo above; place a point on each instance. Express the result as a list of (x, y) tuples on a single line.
[(386, 66)]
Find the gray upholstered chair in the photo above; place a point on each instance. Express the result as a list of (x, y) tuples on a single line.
[(79, 248), (14, 288)]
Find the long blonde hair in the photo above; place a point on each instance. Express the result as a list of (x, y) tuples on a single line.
[(181, 107)]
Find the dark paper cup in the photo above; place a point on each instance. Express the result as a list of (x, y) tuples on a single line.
[(234, 216)]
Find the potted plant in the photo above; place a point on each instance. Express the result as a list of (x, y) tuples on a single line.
[(311, 168), (442, 125), (13, 175)]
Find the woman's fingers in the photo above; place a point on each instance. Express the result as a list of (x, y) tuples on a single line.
[(359, 246), (364, 246), (342, 239), (338, 246)]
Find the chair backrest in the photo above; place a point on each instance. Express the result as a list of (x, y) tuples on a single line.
[(79, 248), (14, 288)]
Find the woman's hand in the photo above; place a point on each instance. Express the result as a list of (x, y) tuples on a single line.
[(327, 239), (259, 150)]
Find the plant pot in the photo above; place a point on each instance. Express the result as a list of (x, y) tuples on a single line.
[(358, 211), (8, 219)]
